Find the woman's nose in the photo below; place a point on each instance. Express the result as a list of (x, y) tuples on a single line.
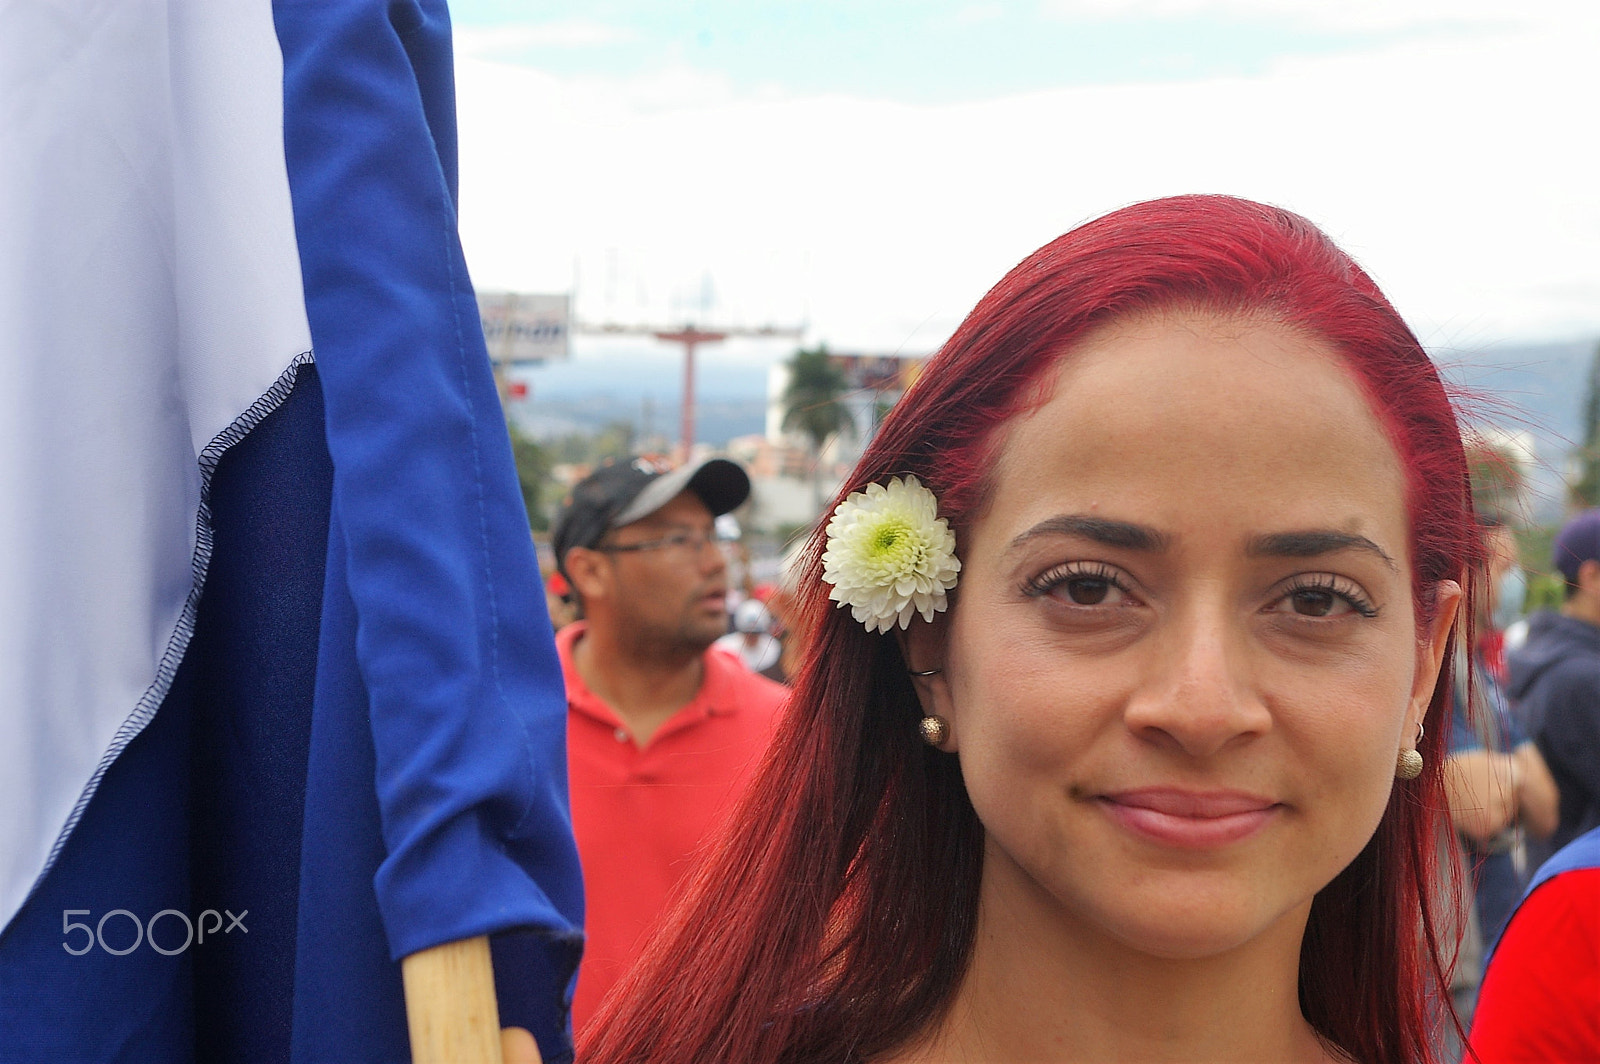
[(1200, 696)]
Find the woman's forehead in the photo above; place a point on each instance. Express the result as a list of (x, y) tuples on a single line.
[(1185, 416)]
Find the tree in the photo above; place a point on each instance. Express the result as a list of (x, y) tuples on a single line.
[(1586, 488), (533, 472), (813, 405), (614, 441)]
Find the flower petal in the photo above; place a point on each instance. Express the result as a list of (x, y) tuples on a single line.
[(889, 556)]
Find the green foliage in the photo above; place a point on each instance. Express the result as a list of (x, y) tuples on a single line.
[(591, 448), (614, 441), (1586, 489), (533, 474), (1545, 592), (1533, 548), (535, 461), (1591, 404), (788, 532), (1496, 481), (813, 401), (1546, 588)]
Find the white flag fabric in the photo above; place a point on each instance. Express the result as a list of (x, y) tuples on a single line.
[(150, 299)]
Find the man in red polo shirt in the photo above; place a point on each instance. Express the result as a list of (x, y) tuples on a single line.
[(663, 732)]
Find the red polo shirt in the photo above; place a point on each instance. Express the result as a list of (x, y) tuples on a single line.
[(641, 815)]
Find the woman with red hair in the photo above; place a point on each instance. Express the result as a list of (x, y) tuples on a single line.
[(1120, 730)]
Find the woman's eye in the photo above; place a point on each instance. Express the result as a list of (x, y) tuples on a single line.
[(1087, 590), (1077, 585), (1315, 602), (1332, 599)]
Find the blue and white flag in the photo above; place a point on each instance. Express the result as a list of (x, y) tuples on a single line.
[(278, 699)]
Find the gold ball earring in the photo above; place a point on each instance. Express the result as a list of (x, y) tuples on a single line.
[(1408, 763), (1408, 766), (935, 729)]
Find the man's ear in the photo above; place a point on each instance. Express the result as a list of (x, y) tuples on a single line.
[(922, 648), (1589, 577), (588, 573)]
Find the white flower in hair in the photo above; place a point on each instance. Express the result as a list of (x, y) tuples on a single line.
[(890, 555)]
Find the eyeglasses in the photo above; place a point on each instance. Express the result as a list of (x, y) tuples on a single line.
[(689, 542)]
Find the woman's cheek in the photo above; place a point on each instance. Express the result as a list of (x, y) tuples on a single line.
[(1030, 722)]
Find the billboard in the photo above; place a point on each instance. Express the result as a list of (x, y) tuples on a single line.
[(520, 327)]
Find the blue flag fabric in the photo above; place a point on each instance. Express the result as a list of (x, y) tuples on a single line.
[(445, 644), (362, 752)]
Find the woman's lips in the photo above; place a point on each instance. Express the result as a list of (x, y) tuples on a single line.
[(1194, 820)]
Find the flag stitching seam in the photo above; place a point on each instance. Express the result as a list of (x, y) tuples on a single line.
[(145, 710)]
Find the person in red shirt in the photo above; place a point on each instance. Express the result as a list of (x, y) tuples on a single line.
[(663, 732), (1540, 1000)]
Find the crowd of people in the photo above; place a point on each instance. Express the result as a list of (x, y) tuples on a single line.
[(1218, 555), (1507, 752), (1541, 918)]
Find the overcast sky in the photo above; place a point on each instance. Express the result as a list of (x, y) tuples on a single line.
[(870, 167)]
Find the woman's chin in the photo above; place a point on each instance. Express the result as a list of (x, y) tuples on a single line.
[(1182, 942), (1186, 931)]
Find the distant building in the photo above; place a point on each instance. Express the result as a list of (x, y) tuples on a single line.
[(780, 486), (764, 458)]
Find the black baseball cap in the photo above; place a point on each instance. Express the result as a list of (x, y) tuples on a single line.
[(625, 492)]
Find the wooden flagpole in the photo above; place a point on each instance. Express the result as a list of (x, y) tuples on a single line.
[(451, 1009)]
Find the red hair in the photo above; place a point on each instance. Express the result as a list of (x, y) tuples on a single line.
[(835, 921)]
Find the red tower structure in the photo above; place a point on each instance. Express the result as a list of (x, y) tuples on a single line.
[(691, 337)]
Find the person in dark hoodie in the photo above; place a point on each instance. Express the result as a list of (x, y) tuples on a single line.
[(1555, 681)]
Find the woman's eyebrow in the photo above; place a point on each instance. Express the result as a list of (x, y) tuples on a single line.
[(1312, 543), (1123, 534), (1309, 543)]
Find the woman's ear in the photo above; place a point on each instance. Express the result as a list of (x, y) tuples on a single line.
[(922, 648), (1430, 647)]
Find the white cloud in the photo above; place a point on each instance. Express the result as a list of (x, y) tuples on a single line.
[(489, 41), (1328, 14), (1459, 171), (970, 15)]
